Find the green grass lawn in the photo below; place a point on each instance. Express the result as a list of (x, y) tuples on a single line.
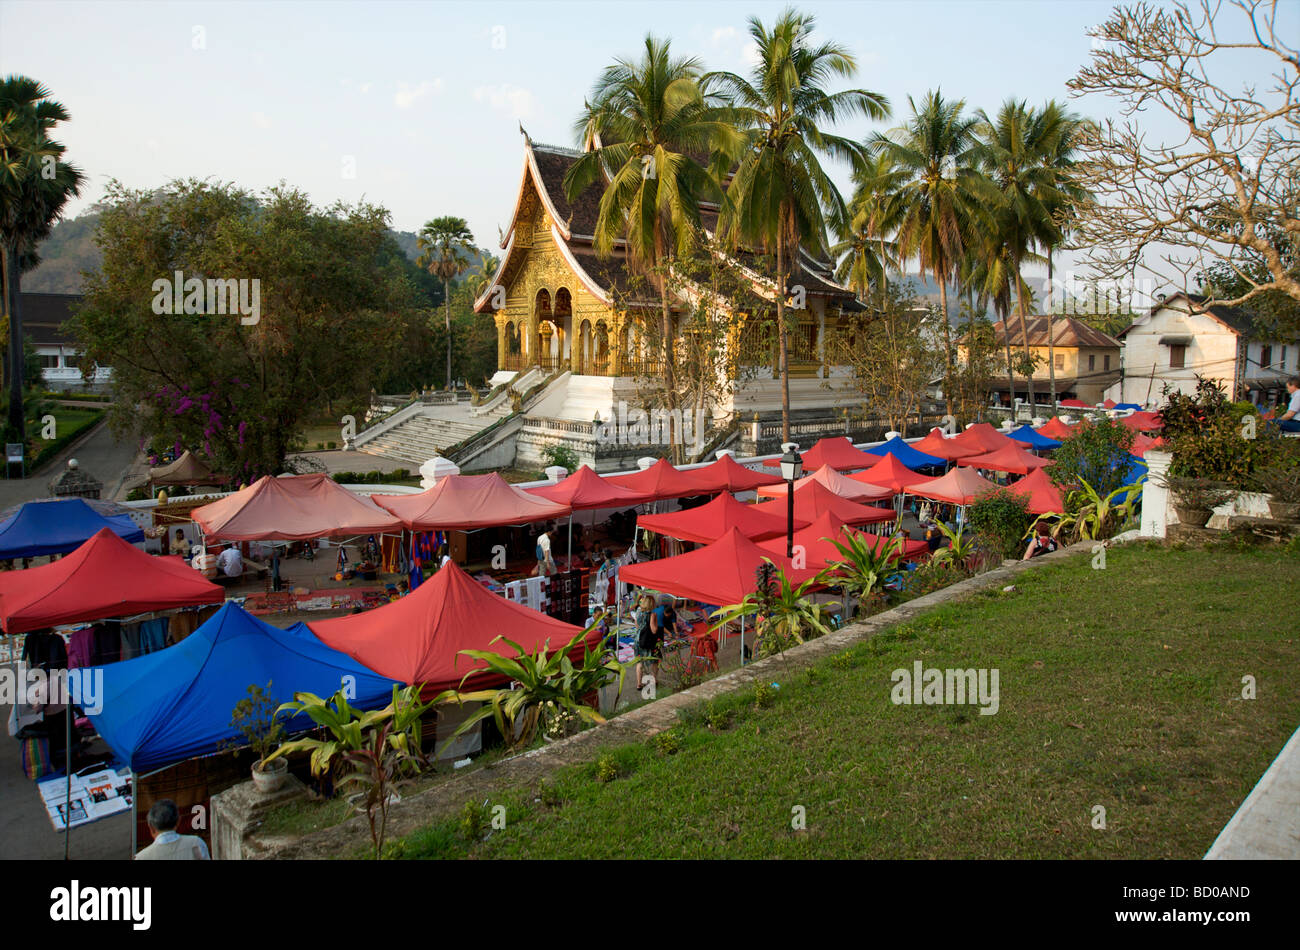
[(68, 422), (1118, 687)]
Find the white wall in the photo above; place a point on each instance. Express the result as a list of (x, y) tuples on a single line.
[(1212, 353)]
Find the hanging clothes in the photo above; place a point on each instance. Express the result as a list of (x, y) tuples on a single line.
[(417, 575), (153, 634), (48, 651), (80, 648), (107, 640), (390, 556), (130, 633)]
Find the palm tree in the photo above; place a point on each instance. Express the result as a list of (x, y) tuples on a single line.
[(944, 194), (445, 243), (781, 197), (641, 130), (865, 252), (1017, 151), (35, 185), (1064, 206)]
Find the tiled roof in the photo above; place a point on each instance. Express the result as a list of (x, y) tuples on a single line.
[(44, 315), (1066, 331), (1237, 319)]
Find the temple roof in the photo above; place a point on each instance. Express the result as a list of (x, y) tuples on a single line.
[(575, 224)]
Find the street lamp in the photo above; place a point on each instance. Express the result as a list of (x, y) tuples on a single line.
[(791, 471)]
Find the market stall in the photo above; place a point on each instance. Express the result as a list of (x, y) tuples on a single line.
[(853, 487), (41, 528), (710, 522), (836, 451), (907, 453)]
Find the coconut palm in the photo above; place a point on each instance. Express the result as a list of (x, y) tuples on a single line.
[(944, 195), (35, 185), (1018, 152), (642, 130), (865, 251), (445, 244), (781, 197)]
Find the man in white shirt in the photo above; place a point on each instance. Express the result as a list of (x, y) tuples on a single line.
[(1289, 421), (168, 845), (545, 563), (229, 562)]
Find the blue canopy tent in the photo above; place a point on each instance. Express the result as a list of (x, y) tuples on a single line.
[(1129, 405), (57, 527), (1027, 433), (912, 458), (165, 707)]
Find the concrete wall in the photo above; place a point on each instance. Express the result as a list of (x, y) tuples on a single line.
[(1212, 353)]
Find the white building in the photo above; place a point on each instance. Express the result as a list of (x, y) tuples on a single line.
[(1179, 339), (43, 318)]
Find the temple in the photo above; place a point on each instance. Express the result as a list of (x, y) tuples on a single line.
[(558, 307)]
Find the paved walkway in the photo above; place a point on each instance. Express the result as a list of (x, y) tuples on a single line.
[(102, 454), (1267, 825), (345, 461)]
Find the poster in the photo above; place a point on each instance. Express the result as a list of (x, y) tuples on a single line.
[(96, 794)]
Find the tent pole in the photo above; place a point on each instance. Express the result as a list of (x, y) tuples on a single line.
[(570, 540), (135, 799), (742, 641), (67, 771)]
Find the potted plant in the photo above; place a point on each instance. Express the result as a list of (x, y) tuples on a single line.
[(254, 719), (1196, 498), (1282, 483)]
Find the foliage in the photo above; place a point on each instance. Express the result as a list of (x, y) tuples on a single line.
[(1001, 517), (1200, 493), (1222, 449), (374, 477), (337, 309), (1097, 453), (390, 754), (785, 615), (254, 718), (557, 453), (1282, 481), (1188, 415), (606, 768), (780, 198), (967, 385), (890, 351), (1091, 516), (764, 694), (541, 677), (960, 549), (866, 563)]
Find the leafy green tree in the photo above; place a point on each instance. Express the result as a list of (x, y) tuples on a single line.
[(35, 185), (865, 251), (643, 128), (445, 242), (782, 199), (944, 194), (1097, 453), (335, 311)]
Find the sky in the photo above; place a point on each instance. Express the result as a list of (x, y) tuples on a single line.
[(417, 106)]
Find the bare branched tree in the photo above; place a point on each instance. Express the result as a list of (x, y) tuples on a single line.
[(1224, 194)]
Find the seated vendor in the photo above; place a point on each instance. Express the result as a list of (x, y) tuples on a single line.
[(232, 564)]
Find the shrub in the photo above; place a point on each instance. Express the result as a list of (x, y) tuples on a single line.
[(606, 768), (1098, 454), (1000, 518), (559, 454), (668, 743), (765, 694)]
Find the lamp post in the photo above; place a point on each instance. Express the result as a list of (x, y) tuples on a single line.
[(791, 471)]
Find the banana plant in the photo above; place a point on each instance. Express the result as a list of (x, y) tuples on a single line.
[(866, 563), (783, 614), (347, 726), (543, 677), (1094, 516), (959, 550)]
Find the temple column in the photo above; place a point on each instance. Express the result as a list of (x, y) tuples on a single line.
[(501, 342)]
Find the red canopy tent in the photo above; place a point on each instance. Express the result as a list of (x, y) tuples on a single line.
[(105, 577), (721, 573), (986, 438), (1109, 404), (1143, 421), (815, 499), (1009, 458), (853, 487), (1054, 428), (1044, 497), (661, 480), (712, 521), (1074, 404), (1145, 443), (585, 489), (819, 552), (470, 502), (293, 508), (418, 638), (837, 452), (958, 487), (889, 473), (939, 445), (726, 474)]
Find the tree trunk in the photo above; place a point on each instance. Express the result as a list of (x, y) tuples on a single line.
[(1051, 343), (446, 292), (670, 374), (783, 365), (1024, 333), (13, 281), (1011, 373), (947, 343)]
